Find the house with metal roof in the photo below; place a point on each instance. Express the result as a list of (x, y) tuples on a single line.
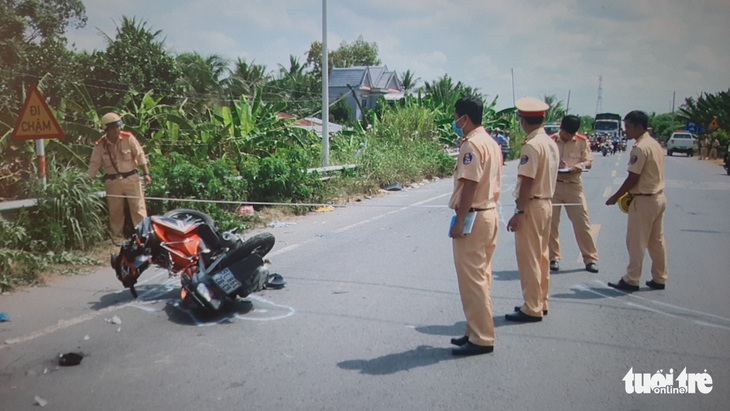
[(362, 86)]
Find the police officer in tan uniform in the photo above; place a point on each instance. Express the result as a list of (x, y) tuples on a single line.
[(713, 149), (575, 158), (477, 186), (704, 144), (645, 183), (537, 174), (119, 154)]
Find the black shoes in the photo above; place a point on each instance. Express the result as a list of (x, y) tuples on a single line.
[(521, 317), (624, 286), (472, 349), (460, 341), (592, 267), (519, 308), (655, 285), (554, 265)]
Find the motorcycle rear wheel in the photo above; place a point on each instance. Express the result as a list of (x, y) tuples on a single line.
[(186, 214), (259, 244)]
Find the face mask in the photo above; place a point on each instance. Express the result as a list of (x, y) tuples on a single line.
[(459, 131)]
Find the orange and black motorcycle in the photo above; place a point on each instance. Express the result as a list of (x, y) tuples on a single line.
[(213, 266)]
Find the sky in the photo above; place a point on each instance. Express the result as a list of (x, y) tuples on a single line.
[(650, 54)]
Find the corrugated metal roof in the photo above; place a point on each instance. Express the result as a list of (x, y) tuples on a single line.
[(341, 77), (366, 77)]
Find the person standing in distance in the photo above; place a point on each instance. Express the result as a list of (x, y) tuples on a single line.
[(575, 158), (645, 183), (477, 186), (119, 154), (537, 174)]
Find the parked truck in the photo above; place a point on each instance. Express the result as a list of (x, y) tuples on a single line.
[(608, 124)]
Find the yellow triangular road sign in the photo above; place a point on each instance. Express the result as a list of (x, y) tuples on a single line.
[(36, 120), (714, 125)]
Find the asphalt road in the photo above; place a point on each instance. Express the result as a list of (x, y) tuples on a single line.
[(370, 305)]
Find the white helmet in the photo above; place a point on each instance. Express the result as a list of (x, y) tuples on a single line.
[(111, 118)]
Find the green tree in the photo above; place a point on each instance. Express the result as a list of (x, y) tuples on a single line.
[(705, 108), (247, 79), (33, 46), (135, 60), (300, 90), (203, 78), (556, 112), (444, 92), (357, 53), (409, 81), (664, 124)]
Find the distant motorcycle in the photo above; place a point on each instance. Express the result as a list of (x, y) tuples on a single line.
[(606, 148), (213, 267)]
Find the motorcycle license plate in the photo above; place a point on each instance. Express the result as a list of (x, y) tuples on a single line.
[(226, 281)]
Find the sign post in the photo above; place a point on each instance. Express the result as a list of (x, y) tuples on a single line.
[(36, 122)]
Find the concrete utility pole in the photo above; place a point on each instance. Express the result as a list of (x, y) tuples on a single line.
[(325, 91)]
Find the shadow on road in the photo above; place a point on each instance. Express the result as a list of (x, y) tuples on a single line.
[(448, 330), (198, 316), (506, 275), (421, 356), (149, 292)]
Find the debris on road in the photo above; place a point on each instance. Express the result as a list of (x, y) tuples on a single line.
[(279, 224), (393, 187), (114, 320), (70, 359), (4, 317), (40, 401)]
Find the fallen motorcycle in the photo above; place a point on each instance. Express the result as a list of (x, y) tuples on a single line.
[(214, 267)]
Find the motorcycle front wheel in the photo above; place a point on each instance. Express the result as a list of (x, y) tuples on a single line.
[(186, 214)]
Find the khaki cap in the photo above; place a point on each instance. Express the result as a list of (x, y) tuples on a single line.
[(531, 107)]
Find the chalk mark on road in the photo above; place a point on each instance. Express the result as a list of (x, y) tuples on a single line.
[(648, 302)]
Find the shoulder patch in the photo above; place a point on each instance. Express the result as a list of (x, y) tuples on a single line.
[(524, 160), (468, 157), (633, 160), (581, 136)]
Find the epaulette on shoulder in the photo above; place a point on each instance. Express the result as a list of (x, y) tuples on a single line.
[(554, 136), (581, 136), (99, 141), (125, 134)]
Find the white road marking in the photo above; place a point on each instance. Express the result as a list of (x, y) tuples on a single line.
[(658, 311), (607, 192)]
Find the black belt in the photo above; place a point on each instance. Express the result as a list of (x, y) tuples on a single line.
[(119, 176), (647, 194), (540, 198), (471, 210)]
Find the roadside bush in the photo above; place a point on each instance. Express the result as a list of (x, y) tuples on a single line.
[(68, 215), (405, 147), (177, 178)]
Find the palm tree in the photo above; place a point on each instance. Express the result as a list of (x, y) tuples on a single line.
[(443, 91), (203, 78), (556, 112), (705, 108), (247, 78), (409, 81)]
